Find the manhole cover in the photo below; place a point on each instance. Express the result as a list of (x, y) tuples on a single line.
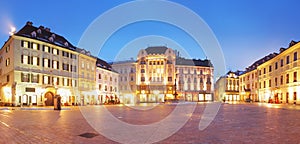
[(88, 135)]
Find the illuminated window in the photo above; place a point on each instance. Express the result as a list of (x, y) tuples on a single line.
[(66, 82), (46, 62), (7, 62), (55, 81), (35, 61), (82, 64), (25, 59), (25, 44), (46, 79), (55, 64), (55, 51), (88, 66), (74, 83), (46, 49), (7, 49), (35, 46)]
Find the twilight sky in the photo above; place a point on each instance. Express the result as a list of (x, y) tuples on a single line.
[(246, 30)]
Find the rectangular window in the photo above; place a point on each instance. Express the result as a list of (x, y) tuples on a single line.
[(73, 56), (276, 81), (276, 65), (24, 77), (264, 70), (99, 76), (264, 84), (66, 82), (287, 78), (25, 59), (7, 78), (295, 77), (281, 62), (55, 64), (74, 83), (34, 78), (142, 79), (287, 59), (35, 46), (65, 54), (65, 67), (100, 87), (142, 70), (82, 64), (270, 68), (55, 51), (25, 44), (55, 80), (46, 79), (46, 49), (270, 83), (7, 62), (295, 56), (169, 79), (35, 61), (281, 80), (46, 62), (105, 88), (295, 95), (7, 49), (73, 68)]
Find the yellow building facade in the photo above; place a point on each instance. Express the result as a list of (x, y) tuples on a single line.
[(36, 65), (279, 77), (227, 87)]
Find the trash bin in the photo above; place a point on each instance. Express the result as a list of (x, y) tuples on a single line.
[(57, 102)]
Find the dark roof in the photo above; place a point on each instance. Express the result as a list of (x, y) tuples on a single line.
[(261, 61), (44, 34), (237, 73), (156, 50), (103, 64), (193, 62)]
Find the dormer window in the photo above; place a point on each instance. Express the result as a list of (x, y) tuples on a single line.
[(33, 34), (39, 31), (66, 44), (51, 39)]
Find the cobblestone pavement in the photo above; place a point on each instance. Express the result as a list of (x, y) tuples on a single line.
[(234, 123)]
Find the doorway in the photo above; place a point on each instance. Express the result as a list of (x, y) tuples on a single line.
[(49, 99)]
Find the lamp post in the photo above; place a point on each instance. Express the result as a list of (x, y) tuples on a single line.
[(175, 94)]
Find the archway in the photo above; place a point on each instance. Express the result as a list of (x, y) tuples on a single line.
[(49, 99)]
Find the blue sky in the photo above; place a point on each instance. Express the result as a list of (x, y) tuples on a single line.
[(246, 29)]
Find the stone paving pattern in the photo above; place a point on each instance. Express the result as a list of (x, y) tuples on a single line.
[(234, 123)]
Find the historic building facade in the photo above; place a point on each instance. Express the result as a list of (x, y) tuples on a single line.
[(274, 78), (36, 65), (227, 87), (127, 80), (107, 82), (278, 77), (159, 74)]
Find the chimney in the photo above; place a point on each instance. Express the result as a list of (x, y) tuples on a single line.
[(29, 23)]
